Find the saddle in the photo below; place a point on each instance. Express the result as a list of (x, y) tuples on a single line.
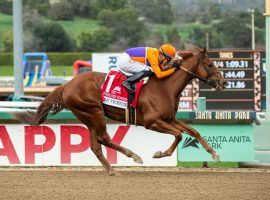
[(113, 93)]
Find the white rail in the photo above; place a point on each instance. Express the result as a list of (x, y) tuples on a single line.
[(18, 104), (16, 109)]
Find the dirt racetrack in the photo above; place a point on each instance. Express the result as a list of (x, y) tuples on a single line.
[(134, 183)]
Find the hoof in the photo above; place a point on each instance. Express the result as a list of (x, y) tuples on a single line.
[(112, 172), (216, 157), (137, 159), (157, 154)]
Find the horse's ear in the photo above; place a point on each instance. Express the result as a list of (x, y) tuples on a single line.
[(199, 50), (202, 52)]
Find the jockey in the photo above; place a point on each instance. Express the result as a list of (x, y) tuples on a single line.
[(140, 62)]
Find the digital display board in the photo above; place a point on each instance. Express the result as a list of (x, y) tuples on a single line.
[(186, 99), (241, 70)]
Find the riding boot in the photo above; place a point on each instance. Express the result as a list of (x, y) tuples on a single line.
[(129, 83)]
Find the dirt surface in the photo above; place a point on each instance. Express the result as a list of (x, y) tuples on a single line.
[(139, 184)]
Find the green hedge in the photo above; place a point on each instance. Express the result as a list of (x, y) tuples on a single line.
[(6, 59), (56, 58), (68, 58)]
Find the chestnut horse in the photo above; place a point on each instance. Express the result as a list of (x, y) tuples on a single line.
[(82, 96)]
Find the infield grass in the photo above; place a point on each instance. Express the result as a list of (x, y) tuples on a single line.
[(56, 70)]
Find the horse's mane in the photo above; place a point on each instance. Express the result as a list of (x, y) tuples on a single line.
[(188, 53), (185, 54)]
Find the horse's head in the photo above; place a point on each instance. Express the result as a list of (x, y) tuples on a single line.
[(207, 70)]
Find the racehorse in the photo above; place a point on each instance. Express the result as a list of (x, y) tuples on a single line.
[(82, 95)]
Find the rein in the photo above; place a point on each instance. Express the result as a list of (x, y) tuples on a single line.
[(213, 84), (193, 74)]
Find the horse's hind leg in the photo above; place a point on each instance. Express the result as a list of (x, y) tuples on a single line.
[(104, 138), (95, 146), (192, 132)]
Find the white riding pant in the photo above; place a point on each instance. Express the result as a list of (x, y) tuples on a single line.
[(129, 67)]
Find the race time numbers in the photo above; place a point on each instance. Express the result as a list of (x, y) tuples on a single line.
[(241, 70), (232, 64)]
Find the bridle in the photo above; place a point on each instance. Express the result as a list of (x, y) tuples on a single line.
[(208, 81)]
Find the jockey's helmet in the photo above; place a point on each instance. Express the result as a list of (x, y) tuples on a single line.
[(167, 50)]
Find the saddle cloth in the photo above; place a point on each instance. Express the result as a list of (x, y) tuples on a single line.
[(116, 95)]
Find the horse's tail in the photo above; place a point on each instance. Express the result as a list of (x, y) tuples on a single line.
[(53, 102)]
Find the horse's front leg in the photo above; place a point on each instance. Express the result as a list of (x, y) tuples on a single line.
[(165, 127), (192, 132)]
